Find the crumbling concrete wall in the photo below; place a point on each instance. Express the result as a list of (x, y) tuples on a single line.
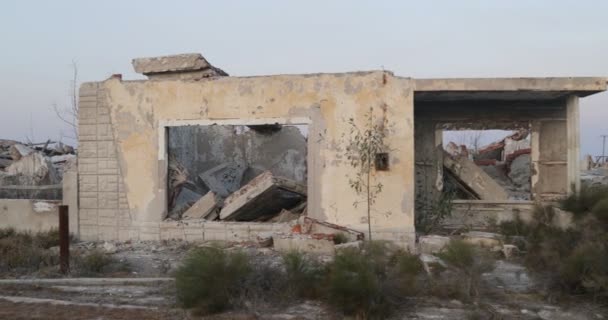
[(123, 144)]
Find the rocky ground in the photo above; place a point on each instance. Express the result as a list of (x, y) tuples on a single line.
[(147, 292)]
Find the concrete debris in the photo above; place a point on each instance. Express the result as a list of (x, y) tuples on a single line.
[(265, 239), (33, 170), (207, 207), (184, 200), (266, 195), (190, 66), (314, 226), (432, 243), (596, 176), (349, 245), (18, 151), (509, 251), (304, 243), (223, 179), (520, 171), (484, 239), (431, 263), (474, 178), (285, 216)]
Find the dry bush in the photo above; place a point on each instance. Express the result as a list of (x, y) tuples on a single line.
[(24, 252), (304, 275), (574, 260), (468, 262), (211, 279), (372, 283)]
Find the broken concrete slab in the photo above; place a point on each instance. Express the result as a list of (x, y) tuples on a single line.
[(474, 178), (184, 200), (189, 66), (206, 207), (223, 179), (484, 239), (303, 243), (432, 243), (170, 63), (353, 245), (266, 195), (18, 151), (314, 226)]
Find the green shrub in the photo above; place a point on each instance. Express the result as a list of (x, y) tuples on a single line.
[(515, 227), (583, 202), (210, 279), (600, 210), (470, 263), (340, 238), (372, 282), (92, 263), (354, 285), (7, 232), (304, 275), (21, 252)]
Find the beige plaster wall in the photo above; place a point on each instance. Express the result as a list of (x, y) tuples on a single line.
[(132, 116), (29, 215)]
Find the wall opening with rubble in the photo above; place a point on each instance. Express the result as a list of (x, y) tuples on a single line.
[(502, 155), (535, 127), (214, 171)]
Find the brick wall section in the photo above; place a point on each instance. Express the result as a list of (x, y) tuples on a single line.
[(103, 204), (104, 209)]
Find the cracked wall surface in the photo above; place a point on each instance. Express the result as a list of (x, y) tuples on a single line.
[(123, 163)]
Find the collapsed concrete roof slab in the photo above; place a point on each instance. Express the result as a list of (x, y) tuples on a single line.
[(170, 63), (506, 89)]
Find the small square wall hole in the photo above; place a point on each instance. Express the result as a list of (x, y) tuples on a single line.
[(381, 162)]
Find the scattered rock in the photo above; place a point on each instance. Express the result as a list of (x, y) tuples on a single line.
[(432, 243), (509, 251), (353, 245), (483, 239), (109, 247)]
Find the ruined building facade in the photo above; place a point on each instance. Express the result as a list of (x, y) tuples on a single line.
[(123, 162)]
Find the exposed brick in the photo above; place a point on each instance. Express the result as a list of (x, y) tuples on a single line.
[(88, 203), (87, 166), (107, 233), (87, 149), (88, 183), (108, 184), (103, 132), (87, 132), (108, 213), (105, 149)]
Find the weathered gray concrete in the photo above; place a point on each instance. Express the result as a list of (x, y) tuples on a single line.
[(205, 208), (263, 197), (475, 178), (189, 66)]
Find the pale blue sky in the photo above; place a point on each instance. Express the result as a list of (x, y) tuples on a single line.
[(39, 39)]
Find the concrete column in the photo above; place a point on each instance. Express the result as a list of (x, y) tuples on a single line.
[(574, 148)]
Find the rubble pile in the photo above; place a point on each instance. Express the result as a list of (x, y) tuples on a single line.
[(507, 162), (237, 173), (265, 198), (33, 170), (594, 173)]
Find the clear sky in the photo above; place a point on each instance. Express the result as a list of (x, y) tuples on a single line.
[(39, 40)]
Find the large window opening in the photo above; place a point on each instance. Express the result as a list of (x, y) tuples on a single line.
[(237, 172), (487, 164)]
